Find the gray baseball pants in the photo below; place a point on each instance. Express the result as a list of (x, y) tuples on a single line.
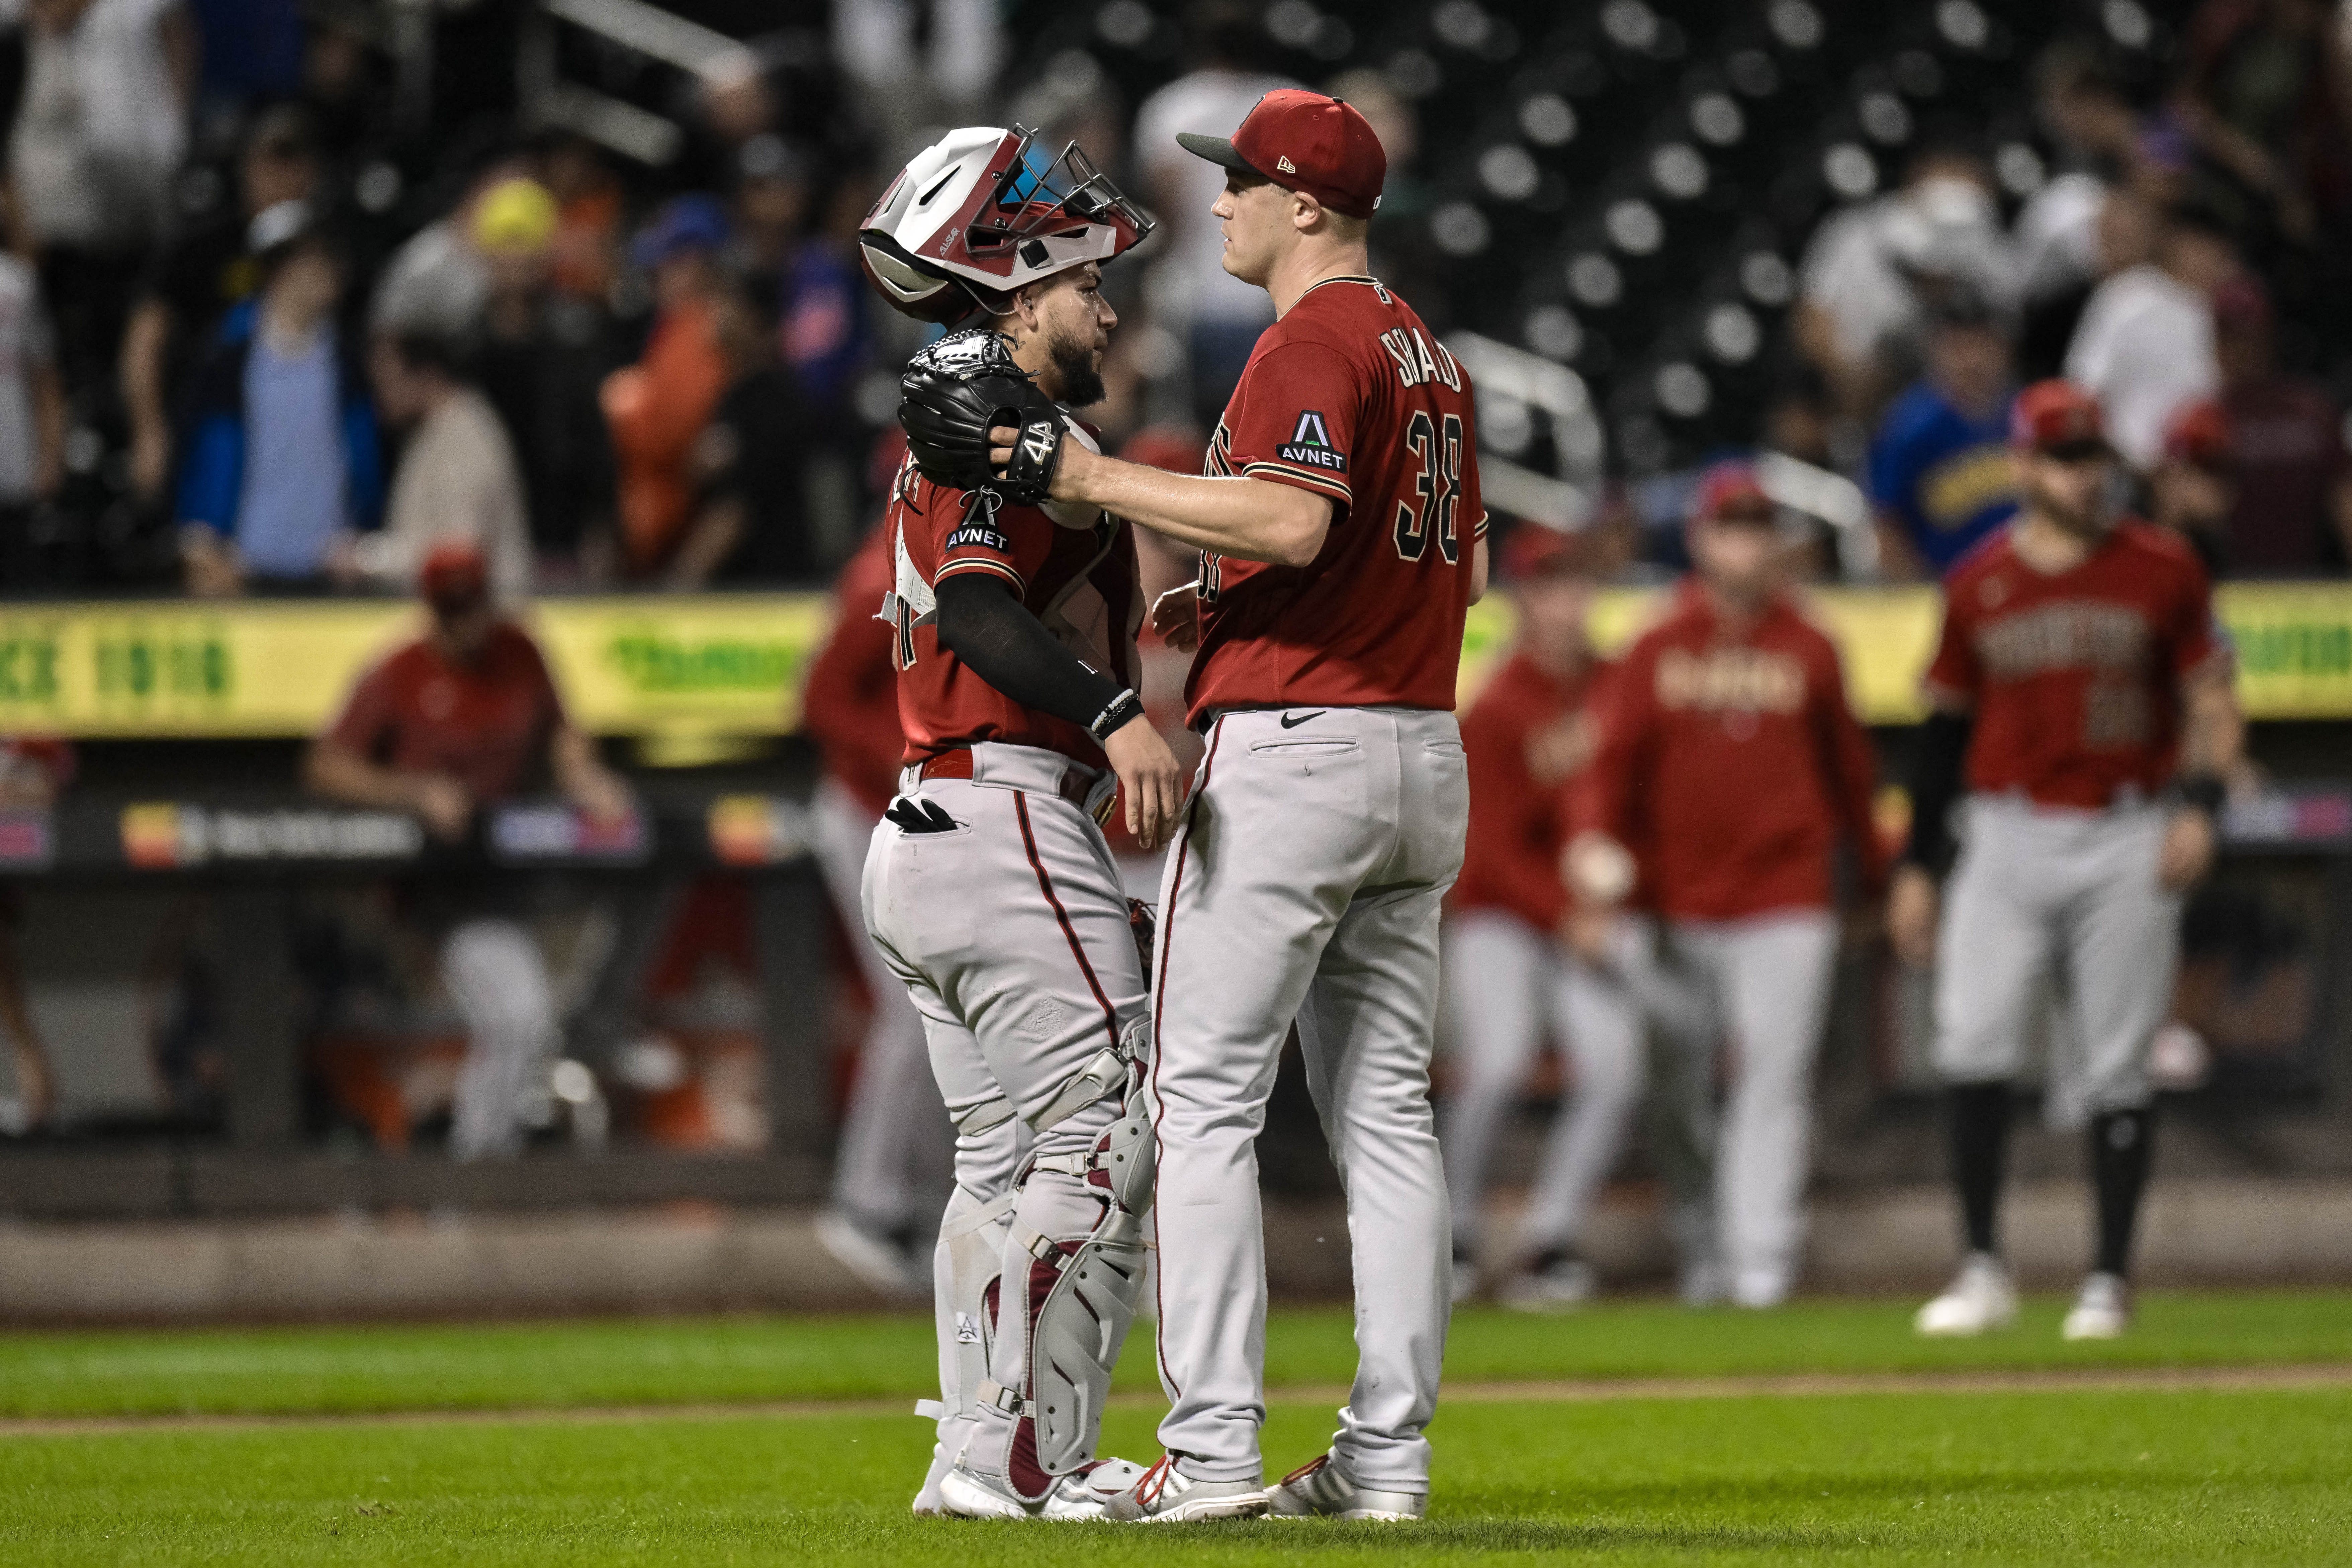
[(1305, 884), (1505, 983), (2073, 895), (497, 978), (894, 1112), (1011, 933)]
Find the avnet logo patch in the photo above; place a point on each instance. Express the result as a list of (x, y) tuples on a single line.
[(1311, 445)]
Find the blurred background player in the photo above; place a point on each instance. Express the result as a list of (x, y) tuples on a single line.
[(1730, 769), (851, 709), (32, 774), (457, 721), (2082, 685), (2194, 488), (1510, 975)]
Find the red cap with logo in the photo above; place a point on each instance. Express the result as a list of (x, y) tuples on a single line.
[(454, 576), (1731, 492), (2199, 433), (1303, 141), (2055, 416)]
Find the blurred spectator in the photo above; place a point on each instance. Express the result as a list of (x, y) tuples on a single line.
[(457, 478), (282, 466), (2264, 96), (2194, 487), (1871, 267), (439, 282), (921, 59), (772, 208), (1939, 466), (588, 217), (100, 132), (1219, 316), (2293, 511), (251, 48), (541, 355), (32, 772), (2094, 133), (198, 275), (823, 330), (32, 419), (748, 522), (658, 406), (2144, 345), (459, 720)]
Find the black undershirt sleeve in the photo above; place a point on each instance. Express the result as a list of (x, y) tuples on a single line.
[(984, 624), (1936, 767)]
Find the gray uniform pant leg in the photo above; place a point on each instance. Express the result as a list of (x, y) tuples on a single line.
[(1496, 976), (1602, 1027), (1771, 979), (497, 977), (1312, 860), (894, 1112)]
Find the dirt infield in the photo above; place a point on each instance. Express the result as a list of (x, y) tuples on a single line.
[(1586, 1390)]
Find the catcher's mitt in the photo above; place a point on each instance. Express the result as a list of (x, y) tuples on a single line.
[(959, 387)]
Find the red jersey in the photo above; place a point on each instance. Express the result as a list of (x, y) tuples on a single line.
[(1518, 817), (1730, 764), (2074, 676), (1082, 583), (487, 723), (1349, 397), (850, 705)]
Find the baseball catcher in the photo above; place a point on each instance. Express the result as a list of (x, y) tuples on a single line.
[(988, 887)]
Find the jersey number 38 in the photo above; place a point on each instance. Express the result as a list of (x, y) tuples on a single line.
[(1429, 508)]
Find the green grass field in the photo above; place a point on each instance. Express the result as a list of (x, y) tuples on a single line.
[(388, 1458)]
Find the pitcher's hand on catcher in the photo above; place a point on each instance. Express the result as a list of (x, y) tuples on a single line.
[(1911, 901), (1176, 617), (1151, 779)]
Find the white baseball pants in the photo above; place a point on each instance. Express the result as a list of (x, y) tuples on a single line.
[(1765, 983), (1011, 933), (2073, 893), (1505, 983), (497, 978), (1305, 883), (894, 1110)]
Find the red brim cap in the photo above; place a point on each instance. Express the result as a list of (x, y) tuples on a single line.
[(1303, 141), (2050, 415), (454, 576), (1731, 491), (1535, 551), (2200, 433)]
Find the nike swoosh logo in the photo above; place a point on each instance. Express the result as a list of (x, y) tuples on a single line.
[(1292, 721)]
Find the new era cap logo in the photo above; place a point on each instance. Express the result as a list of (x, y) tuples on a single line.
[(1284, 165)]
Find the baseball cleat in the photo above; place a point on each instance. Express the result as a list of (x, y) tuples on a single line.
[(1556, 1281), (1318, 1487), (1166, 1495), (1979, 1299), (1080, 1495), (2103, 1312)]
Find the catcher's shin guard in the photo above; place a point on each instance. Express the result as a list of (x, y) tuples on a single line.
[(1084, 1278)]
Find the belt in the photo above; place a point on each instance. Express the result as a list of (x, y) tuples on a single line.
[(1076, 782)]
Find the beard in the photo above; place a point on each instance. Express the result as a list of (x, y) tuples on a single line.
[(1074, 365)]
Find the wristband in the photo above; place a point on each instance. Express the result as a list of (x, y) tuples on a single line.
[(1126, 705), (2203, 791)]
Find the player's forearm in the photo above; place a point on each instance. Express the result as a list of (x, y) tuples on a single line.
[(1248, 520), (344, 776), (984, 624), (2213, 740)]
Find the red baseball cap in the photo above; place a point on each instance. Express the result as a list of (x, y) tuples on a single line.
[(1303, 141), (1731, 491), (2056, 416), (2199, 433), (454, 577), (1534, 549)]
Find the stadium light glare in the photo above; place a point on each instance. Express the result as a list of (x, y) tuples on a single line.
[(2127, 23), (1594, 279), (2020, 169), (1509, 171), (1963, 24), (1850, 172), (1459, 228), (1716, 119), (1753, 72), (1766, 279), (1126, 22), (1554, 331), (1547, 120), (1732, 334), (1796, 24), (1634, 227), (1682, 390), (1630, 24), (1679, 171)]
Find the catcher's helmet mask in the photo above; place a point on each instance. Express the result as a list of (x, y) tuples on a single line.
[(973, 218)]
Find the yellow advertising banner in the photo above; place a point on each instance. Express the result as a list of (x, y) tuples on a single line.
[(678, 667)]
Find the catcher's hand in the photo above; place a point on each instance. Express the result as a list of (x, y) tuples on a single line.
[(959, 387)]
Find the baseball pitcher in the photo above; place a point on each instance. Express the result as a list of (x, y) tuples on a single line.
[(1341, 541), (2083, 686), (988, 886)]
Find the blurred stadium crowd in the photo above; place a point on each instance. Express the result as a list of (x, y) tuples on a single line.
[(294, 289), (302, 294)]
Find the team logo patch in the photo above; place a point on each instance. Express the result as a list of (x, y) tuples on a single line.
[(978, 536), (1311, 445)]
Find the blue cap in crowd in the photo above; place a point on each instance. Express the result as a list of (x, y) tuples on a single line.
[(685, 223)]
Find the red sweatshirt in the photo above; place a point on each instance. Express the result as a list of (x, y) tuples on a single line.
[(1730, 764), (850, 706), (1519, 821)]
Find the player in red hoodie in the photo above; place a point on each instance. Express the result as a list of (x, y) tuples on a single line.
[(1729, 768), (1510, 977)]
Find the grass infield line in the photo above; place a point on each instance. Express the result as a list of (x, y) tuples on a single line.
[(2143, 1380)]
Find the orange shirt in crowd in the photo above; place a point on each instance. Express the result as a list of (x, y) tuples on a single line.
[(1730, 764), (655, 408)]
